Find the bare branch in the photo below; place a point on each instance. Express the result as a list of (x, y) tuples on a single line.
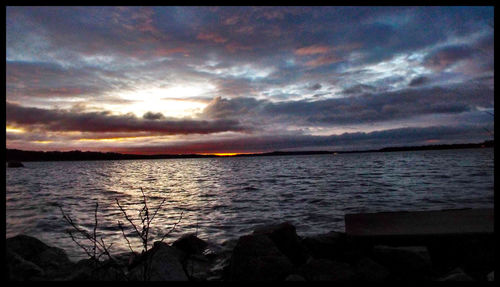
[(172, 229), (77, 243), (158, 208), (123, 232), (95, 227), (128, 219)]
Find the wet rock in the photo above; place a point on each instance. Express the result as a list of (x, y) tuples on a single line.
[(369, 270), (404, 263), (162, 262), (256, 258), (286, 239), (326, 270), (190, 244), (295, 277), (456, 275)]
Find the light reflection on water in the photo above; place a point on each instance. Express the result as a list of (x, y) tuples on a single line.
[(222, 198)]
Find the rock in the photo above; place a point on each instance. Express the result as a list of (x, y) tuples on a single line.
[(285, 238), (20, 269), (125, 259), (475, 254), (334, 246), (197, 268), (295, 277), (26, 246), (15, 164), (491, 276), (164, 264), (190, 244), (456, 275), (256, 258), (326, 270), (369, 270), (92, 270), (54, 261), (404, 263), (220, 268)]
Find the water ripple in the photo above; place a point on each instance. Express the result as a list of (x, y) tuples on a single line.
[(222, 198)]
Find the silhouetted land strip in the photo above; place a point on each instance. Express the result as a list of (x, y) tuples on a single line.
[(21, 155)]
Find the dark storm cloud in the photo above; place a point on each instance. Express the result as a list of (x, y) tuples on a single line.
[(61, 120), (365, 108), (153, 116), (315, 87), (359, 89), (444, 57), (418, 81)]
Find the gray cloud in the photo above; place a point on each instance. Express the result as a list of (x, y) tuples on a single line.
[(153, 116), (61, 120), (418, 81), (445, 57), (365, 108)]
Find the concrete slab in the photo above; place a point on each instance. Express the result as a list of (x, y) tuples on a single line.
[(421, 223)]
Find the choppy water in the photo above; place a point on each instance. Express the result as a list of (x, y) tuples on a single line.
[(222, 198)]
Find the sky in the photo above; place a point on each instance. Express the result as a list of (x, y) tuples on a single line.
[(172, 80)]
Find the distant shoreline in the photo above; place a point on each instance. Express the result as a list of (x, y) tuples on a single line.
[(21, 155)]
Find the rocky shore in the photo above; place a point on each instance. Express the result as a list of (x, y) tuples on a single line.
[(269, 253)]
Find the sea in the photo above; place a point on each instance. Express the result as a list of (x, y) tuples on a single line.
[(220, 199)]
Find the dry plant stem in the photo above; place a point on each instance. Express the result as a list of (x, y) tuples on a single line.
[(172, 229), (98, 245), (124, 236), (95, 227), (127, 218)]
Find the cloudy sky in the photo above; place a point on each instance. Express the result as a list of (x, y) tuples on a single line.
[(247, 79)]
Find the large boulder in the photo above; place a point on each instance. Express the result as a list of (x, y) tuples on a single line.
[(26, 246), (19, 269), (326, 270), (198, 267), (369, 270), (474, 254), (286, 239), (93, 270), (256, 258), (335, 246), (190, 244), (404, 263), (54, 261), (162, 263)]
